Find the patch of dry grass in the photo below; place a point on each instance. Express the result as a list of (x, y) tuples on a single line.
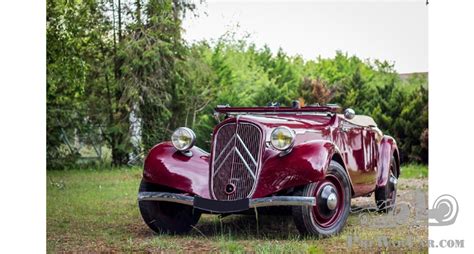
[(96, 211)]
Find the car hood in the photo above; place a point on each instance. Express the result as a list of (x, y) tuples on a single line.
[(306, 127), (291, 121)]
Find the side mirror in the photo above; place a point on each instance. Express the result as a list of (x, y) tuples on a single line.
[(349, 113)]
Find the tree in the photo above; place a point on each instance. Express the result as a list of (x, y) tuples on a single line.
[(150, 53), (109, 60), (72, 33)]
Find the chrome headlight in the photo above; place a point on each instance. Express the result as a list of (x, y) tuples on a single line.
[(282, 138), (183, 138)]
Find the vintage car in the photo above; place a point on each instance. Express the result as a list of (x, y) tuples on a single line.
[(307, 161)]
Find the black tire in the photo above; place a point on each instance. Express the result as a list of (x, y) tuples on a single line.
[(386, 196), (167, 217), (320, 220)]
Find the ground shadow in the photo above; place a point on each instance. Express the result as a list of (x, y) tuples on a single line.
[(251, 227), (243, 227)]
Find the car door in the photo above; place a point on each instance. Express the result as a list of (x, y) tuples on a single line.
[(370, 156), (357, 146)]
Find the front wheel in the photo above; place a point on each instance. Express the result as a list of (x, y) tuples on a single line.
[(166, 217), (333, 198)]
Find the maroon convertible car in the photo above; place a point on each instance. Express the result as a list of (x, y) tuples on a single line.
[(307, 162)]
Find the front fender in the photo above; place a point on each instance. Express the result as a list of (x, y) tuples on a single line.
[(166, 166), (306, 163), (387, 148)]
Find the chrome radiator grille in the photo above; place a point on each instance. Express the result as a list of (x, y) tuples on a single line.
[(236, 159)]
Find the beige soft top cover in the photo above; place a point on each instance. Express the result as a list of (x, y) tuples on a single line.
[(365, 121), (361, 120)]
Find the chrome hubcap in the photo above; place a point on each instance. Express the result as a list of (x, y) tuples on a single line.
[(327, 200), (332, 201), (393, 179)]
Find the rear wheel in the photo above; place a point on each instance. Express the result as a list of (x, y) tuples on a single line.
[(333, 197), (386, 196), (166, 217)]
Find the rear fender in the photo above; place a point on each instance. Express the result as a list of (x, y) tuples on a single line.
[(387, 148), (306, 163), (167, 166)]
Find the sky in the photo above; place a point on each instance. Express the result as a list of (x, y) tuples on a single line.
[(384, 30)]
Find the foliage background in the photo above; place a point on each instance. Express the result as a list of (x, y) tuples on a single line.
[(110, 63)]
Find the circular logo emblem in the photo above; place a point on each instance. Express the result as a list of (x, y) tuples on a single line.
[(229, 188)]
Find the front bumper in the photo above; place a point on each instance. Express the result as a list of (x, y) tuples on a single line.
[(218, 206)]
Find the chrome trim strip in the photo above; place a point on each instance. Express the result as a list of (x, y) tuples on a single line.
[(282, 201), (245, 163), (166, 196), (225, 147), (241, 158), (253, 202), (246, 149), (222, 162)]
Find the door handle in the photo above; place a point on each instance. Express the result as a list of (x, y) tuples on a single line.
[(344, 129)]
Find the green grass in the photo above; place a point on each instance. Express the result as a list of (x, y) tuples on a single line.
[(414, 171), (96, 211)]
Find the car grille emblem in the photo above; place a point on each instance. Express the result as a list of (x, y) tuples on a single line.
[(235, 160)]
